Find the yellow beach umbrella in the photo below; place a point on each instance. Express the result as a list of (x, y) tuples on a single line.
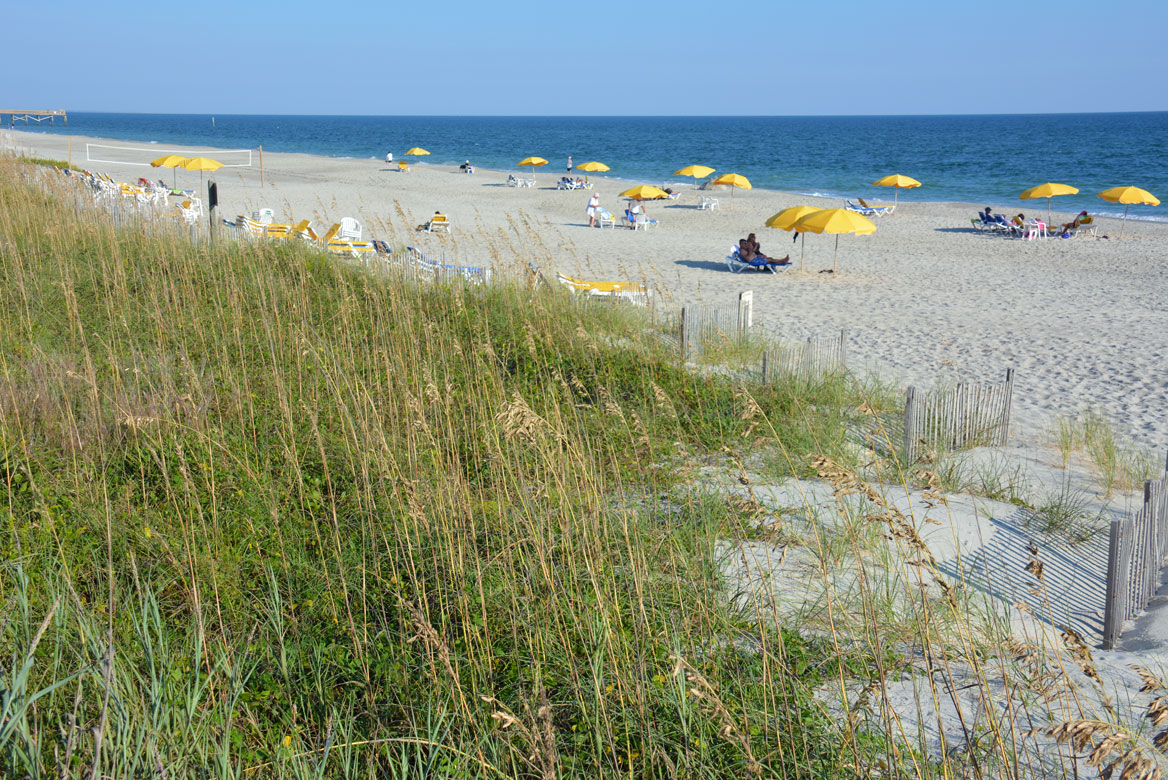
[(696, 171), (200, 164), (1048, 191), (1128, 196), (835, 221), (172, 161), (733, 180), (786, 219), (592, 167), (416, 151), (644, 192), (898, 181), (532, 161)]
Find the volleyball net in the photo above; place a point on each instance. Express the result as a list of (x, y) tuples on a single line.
[(139, 155)]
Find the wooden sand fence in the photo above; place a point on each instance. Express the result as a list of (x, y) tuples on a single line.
[(698, 325), (969, 415), (806, 359), (1135, 554)]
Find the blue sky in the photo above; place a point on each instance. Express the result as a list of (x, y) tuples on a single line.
[(720, 57)]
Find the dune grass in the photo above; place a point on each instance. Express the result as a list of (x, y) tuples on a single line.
[(271, 515)]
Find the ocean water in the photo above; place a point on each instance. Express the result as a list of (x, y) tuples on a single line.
[(983, 159)]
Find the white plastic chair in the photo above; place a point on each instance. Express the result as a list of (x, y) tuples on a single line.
[(264, 216), (350, 229)]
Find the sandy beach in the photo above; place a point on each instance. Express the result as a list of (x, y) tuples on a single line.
[(925, 300)]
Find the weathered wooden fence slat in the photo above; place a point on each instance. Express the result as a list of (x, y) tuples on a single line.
[(1136, 549), (967, 415)]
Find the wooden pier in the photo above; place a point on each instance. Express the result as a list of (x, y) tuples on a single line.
[(35, 116)]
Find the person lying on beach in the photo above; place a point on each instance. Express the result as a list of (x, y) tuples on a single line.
[(750, 251), (1074, 223)]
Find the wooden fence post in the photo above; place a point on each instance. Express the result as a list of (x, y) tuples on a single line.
[(808, 357), (1113, 616), (766, 373), (745, 313), (958, 424), (843, 349), (684, 339), (909, 433), (1005, 430)]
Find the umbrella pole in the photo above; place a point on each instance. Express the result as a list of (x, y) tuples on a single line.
[(835, 258), (802, 249), (1123, 224)]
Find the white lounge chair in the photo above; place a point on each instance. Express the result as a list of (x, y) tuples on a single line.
[(439, 223), (708, 203), (736, 264), (867, 211), (350, 229)]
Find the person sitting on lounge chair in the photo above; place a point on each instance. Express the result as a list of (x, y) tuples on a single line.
[(1019, 221), (750, 252), (1074, 223)]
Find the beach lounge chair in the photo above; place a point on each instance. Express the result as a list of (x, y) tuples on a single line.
[(403, 166), (605, 217), (381, 248), (880, 210), (1006, 227), (630, 291), (266, 216), (250, 227), (190, 211), (708, 203), (277, 231), (331, 233), (1035, 228), (303, 230), (471, 273), (736, 264), (867, 211), (350, 229), (1087, 227), (512, 181), (439, 223), (642, 222)]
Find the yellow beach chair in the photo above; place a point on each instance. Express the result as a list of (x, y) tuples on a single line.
[(630, 291)]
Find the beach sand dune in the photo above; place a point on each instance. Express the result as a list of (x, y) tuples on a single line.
[(926, 300)]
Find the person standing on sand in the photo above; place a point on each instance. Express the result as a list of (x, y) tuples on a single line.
[(569, 166), (389, 158), (593, 208)]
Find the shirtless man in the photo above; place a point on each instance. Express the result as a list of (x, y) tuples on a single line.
[(749, 249)]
